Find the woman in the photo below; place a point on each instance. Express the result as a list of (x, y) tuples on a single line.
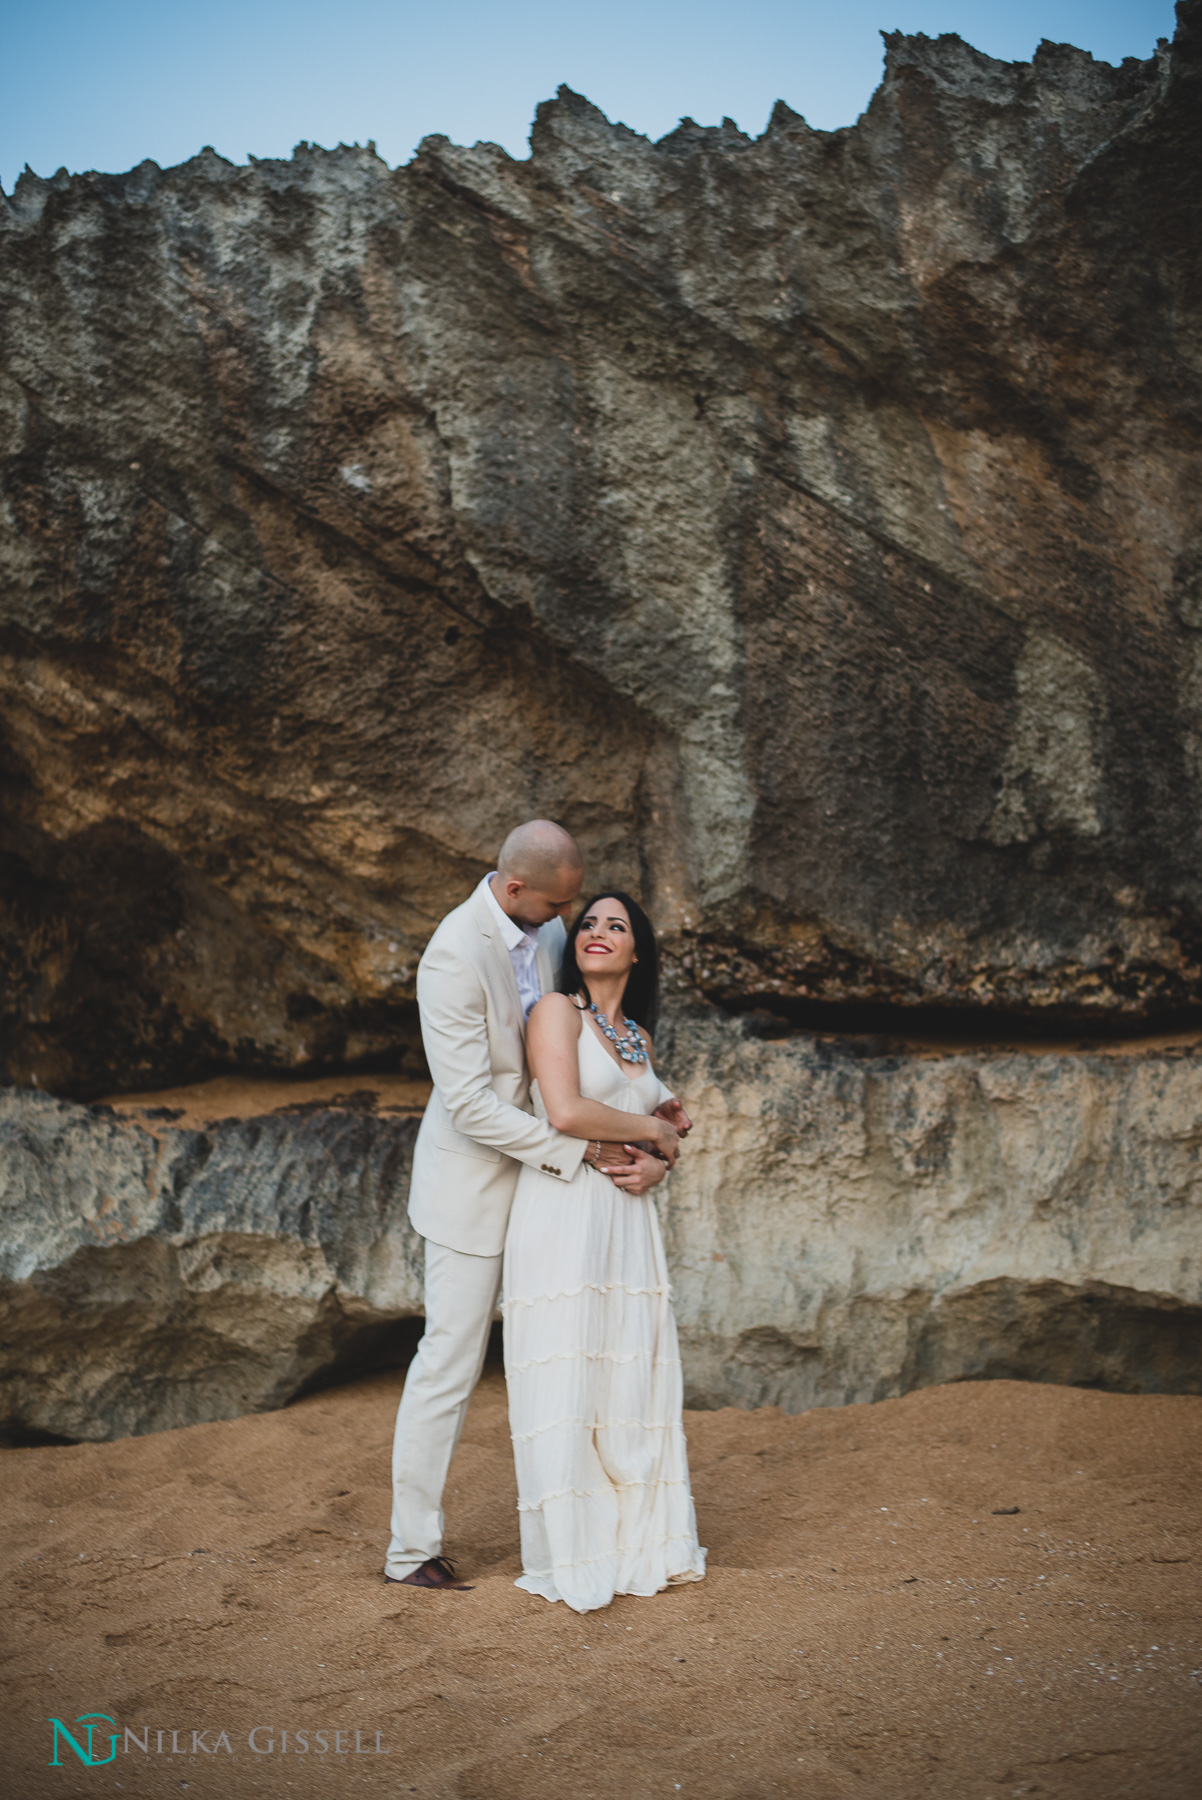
[(591, 1356)]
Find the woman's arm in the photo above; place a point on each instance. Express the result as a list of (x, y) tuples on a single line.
[(551, 1048)]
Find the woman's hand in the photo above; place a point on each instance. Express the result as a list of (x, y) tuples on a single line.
[(641, 1173), (665, 1137), (675, 1114)]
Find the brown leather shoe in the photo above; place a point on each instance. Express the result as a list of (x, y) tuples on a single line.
[(436, 1572)]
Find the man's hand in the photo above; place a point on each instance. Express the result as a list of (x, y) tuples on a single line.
[(675, 1114), (641, 1171)]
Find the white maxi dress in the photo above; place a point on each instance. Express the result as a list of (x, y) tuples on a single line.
[(593, 1370)]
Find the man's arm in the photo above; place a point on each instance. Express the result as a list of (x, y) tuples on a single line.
[(451, 1002)]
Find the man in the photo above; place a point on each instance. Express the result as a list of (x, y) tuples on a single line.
[(482, 971)]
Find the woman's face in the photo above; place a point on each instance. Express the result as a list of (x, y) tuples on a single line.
[(605, 942)]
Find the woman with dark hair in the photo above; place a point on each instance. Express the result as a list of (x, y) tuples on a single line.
[(591, 1356)]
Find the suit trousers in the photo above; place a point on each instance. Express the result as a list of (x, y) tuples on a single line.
[(461, 1293)]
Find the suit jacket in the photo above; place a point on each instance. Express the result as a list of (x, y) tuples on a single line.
[(478, 1126)]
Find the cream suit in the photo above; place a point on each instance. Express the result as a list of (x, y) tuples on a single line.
[(477, 1130)]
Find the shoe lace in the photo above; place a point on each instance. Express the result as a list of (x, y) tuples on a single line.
[(446, 1565)]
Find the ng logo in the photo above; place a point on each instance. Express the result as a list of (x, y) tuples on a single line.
[(86, 1756)]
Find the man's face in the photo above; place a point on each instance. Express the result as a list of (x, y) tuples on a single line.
[(535, 906)]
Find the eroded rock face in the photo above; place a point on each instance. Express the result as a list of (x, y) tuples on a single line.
[(156, 1274), (843, 1226), (810, 523), (852, 1225)]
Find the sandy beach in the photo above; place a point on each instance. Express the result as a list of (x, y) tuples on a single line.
[(878, 1619)]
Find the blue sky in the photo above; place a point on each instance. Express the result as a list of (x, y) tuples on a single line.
[(104, 85)]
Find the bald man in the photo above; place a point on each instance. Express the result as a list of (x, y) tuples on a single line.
[(482, 971)]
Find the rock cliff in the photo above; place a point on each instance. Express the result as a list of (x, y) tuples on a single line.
[(810, 522), (157, 1270), (845, 1225)]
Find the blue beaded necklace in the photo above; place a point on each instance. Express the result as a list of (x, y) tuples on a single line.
[(630, 1046)]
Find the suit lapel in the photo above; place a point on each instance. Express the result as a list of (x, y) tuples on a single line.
[(500, 953), (552, 940), (546, 968)]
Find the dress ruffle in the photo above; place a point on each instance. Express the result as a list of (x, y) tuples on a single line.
[(596, 1287), (595, 1425)]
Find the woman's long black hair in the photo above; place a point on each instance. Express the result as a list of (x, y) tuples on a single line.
[(640, 1002)]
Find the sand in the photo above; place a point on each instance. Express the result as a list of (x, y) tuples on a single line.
[(204, 1103), (878, 1619)]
